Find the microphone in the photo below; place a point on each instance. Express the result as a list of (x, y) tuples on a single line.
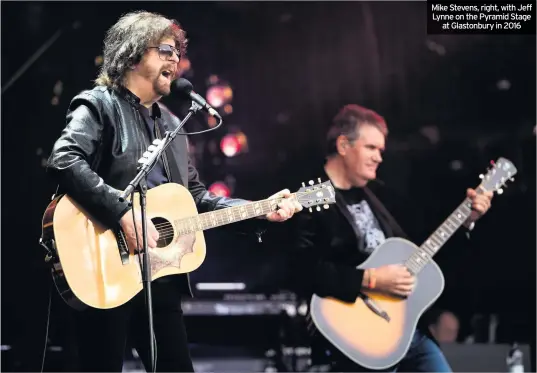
[(185, 88)]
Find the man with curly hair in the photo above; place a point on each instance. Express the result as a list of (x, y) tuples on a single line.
[(108, 129)]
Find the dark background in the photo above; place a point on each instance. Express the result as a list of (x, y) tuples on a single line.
[(291, 67)]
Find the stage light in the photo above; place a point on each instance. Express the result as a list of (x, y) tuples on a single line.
[(213, 79), (243, 141), (228, 93), (211, 121), (184, 64), (220, 286), (234, 143), (220, 189), (230, 145), (219, 95), (215, 96)]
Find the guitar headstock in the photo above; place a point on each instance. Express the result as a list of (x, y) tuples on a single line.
[(319, 194), (498, 175)]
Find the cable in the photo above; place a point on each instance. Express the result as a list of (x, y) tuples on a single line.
[(135, 232), (48, 323), (200, 132)]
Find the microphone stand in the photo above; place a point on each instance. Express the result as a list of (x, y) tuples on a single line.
[(148, 161)]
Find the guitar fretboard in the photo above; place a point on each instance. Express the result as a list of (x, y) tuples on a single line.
[(435, 241), (228, 215)]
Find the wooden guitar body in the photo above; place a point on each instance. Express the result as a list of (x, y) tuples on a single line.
[(93, 266), (364, 336)]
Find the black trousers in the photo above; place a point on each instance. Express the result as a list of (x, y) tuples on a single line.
[(100, 337)]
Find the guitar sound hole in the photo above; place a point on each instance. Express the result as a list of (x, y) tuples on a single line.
[(165, 230)]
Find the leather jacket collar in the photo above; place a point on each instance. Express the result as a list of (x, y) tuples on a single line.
[(134, 100)]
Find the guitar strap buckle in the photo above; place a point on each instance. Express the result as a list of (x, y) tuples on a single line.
[(50, 252)]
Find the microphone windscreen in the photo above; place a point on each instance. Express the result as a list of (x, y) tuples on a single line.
[(183, 85)]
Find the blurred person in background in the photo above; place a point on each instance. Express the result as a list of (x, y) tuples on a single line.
[(445, 327)]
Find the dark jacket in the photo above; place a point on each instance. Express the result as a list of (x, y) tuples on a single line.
[(97, 153), (325, 253)]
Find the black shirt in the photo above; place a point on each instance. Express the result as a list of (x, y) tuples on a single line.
[(157, 175), (371, 233)]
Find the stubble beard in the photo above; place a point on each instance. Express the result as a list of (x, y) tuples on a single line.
[(161, 89)]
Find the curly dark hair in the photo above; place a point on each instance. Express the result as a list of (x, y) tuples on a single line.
[(348, 121), (128, 39)]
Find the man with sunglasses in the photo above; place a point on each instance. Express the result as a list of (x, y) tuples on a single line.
[(108, 129)]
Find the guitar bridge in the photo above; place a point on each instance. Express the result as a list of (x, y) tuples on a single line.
[(373, 307)]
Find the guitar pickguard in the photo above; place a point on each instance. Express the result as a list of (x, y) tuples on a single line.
[(171, 256)]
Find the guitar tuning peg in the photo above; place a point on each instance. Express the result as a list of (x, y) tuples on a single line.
[(512, 179), (326, 207), (500, 191), (481, 176), (303, 184), (311, 182), (310, 209), (319, 180), (318, 208)]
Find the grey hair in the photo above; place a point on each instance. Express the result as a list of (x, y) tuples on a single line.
[(128, 39)]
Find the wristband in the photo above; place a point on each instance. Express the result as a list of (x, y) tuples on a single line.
[(372, 278)]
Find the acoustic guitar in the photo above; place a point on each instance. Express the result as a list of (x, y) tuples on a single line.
[(376, 330), (92, 265)]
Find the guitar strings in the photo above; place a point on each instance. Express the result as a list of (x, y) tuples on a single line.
[(236, 207), (169, 231)]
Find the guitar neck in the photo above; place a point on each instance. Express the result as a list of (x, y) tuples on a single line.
[(440, 236), (226, 216), (501, 171)]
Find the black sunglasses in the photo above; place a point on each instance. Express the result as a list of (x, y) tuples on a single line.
[(165, 52)]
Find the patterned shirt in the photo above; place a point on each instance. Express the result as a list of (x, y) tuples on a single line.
[(371, 234)]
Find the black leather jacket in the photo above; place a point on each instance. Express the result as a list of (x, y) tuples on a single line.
[(96, 155)]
